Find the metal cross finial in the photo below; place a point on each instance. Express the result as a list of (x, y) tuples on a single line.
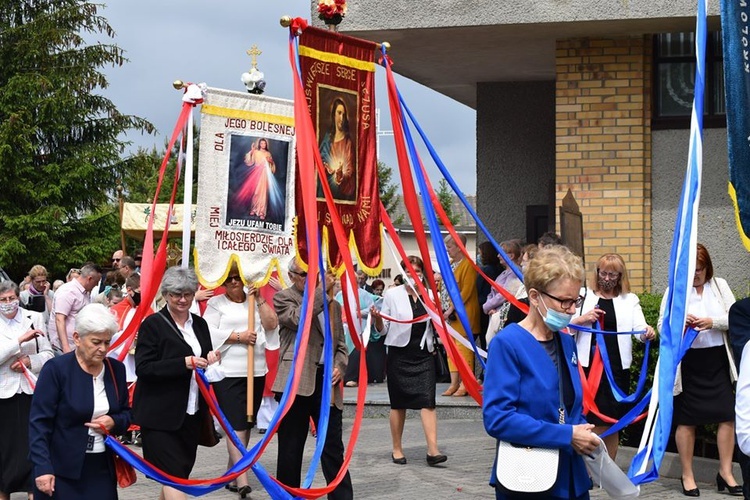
[(254, 52)]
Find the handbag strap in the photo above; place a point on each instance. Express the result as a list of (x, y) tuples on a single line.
[(171, 325), (114, 382), (560, 358)]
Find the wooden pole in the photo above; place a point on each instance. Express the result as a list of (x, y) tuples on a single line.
[(250, 358)]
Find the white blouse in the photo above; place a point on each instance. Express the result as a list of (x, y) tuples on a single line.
[(101, 407), (223, 317)]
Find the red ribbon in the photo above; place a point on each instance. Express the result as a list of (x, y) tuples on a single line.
[(590, 386)]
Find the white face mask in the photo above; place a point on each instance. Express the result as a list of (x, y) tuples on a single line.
[(9, 308)]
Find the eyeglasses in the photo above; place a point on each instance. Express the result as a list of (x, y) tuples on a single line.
[(179, 296), (565, 303), (607, 274), (302, 275), (115, 260), (7, 300), (74, 271), (233, 278)]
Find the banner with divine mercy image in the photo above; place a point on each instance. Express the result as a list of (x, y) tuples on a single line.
[(338, 78), (245, 206)]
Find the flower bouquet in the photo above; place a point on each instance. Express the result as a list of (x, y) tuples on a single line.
[(331, 12)]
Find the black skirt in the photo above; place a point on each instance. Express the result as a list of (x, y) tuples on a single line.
[(97, 480), (707, 396), (15, 467), (231, 393), (411, 370), (173, 452)]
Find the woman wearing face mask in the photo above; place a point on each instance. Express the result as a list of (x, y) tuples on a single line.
[(703, 389), (532, 391), (410, 369), (610, 302), (22, 341)]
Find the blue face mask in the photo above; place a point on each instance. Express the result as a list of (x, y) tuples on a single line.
[(554, 320)]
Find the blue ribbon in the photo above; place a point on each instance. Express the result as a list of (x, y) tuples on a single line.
[(619, 395), (438, 244), (457, 190)]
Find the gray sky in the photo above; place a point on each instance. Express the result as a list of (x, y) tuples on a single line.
[(200, 41)]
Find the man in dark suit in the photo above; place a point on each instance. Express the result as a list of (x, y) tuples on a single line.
[(739, 334), (294, 427)]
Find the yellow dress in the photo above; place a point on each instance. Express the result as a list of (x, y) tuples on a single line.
[(466, 277)]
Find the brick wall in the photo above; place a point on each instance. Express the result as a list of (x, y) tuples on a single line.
[(603, 146)]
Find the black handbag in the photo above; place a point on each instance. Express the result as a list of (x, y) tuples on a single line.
[(439, 356)]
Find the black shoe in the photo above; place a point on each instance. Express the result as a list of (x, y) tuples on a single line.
[(732, 490), (399, 461), (433, 460), (231, 487), (695, 492), (244, 491)]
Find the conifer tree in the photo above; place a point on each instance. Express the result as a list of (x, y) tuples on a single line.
[(60, 139)]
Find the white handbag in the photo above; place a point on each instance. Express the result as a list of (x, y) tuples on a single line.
[(523, 469)]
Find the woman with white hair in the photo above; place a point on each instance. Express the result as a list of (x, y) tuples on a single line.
[(76, 395)]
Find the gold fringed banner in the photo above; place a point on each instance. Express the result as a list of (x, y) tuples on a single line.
[(246, 172), (338, 78)]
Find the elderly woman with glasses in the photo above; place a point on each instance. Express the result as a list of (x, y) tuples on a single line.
[(23, 346), (610, 305), (78, 396), (167, 404), (532, 390), (227, 318)]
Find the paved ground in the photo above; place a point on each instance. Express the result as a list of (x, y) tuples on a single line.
[(461, 436), (464, 475)]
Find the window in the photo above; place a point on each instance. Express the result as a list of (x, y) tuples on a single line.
[(674, 80)]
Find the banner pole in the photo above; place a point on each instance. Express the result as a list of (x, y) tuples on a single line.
[(250, 358), (188, 194)]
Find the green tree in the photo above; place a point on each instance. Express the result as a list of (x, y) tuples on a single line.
[(59, 137), (445, 197), (139, 173)]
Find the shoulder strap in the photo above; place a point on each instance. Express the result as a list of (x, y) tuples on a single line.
[(171, 325), (560, 361), (112, 374)]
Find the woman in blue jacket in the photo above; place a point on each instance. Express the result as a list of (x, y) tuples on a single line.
[(521, 390), (76, 394)]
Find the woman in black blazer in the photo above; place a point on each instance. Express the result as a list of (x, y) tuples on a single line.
[(167, 403), (75, 395)]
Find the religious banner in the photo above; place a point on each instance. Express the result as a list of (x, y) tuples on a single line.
[(338, 78), (735, 33), (245, 206)]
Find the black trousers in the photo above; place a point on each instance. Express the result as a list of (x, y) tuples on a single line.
[(292, 434)]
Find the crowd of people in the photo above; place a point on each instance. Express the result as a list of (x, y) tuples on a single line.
[(533, 393)]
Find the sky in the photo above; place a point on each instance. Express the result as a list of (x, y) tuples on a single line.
[(201, 41)]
